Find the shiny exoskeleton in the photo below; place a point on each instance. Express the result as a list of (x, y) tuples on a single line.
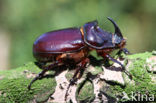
[(71, 46)]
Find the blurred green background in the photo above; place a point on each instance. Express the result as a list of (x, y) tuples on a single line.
[(22, 21)]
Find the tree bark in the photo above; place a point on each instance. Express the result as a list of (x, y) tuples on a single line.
[(106, 84)]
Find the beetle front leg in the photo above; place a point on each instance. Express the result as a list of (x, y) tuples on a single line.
[(124, 50), (123, 67)]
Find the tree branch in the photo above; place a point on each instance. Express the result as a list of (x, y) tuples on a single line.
[(98, 83)]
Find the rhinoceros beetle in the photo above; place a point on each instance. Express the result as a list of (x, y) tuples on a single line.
[(71, 46)]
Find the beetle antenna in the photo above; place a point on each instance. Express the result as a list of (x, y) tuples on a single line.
[(117, 30)]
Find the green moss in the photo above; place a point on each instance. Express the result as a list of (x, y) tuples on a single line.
[(95, 70), (140, 55), (94, 54), (13, 86), (141, 77), (86, 92)]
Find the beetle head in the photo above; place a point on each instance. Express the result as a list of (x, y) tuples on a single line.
[(97, 38)]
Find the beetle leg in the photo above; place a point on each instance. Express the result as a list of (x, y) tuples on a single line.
[(78, 73), (41, 74), (125, 51), (123, 67), (40, 64)]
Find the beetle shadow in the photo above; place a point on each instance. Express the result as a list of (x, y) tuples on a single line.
[(102, 62), (54, 71), (95, 62), (113, 68)]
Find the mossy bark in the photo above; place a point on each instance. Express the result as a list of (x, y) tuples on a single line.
[(98, 83)]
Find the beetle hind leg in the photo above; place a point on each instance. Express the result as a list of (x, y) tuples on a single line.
[(41, 74)]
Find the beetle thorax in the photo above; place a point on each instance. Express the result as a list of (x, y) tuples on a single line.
[(104, 52)]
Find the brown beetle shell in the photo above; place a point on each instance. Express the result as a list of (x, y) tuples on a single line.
[(51, 44)]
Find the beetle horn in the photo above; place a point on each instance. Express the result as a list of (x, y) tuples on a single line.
[(117, 30)]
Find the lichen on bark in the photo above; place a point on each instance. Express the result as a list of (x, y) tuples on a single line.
[(98, 84)]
